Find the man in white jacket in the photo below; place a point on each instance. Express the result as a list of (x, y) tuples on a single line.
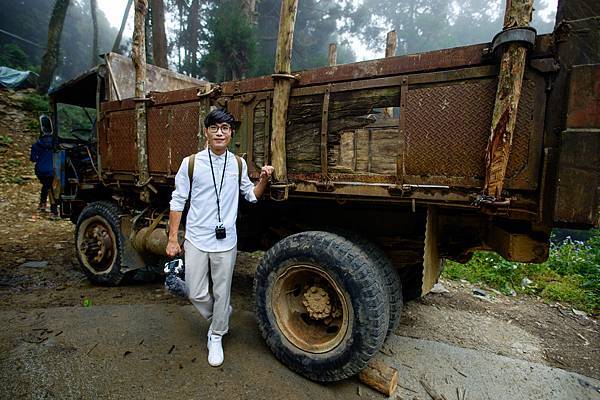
[(210, 231)]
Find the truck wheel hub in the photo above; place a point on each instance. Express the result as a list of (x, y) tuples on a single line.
[(310, 308), (96, 246), (317, 303)]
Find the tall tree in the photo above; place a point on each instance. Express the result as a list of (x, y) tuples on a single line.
[(231, 44), (316, 27), (191, 38), (50, 58), (93, 10), (119, 37), (159, 37)]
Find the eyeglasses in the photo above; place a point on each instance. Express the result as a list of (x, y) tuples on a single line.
[(215, 128)]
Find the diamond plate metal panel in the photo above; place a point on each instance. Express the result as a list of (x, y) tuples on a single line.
[(158, 140), (183, 132), (121, 146), (447, 129)]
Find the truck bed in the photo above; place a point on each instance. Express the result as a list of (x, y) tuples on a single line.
[(339, 142)]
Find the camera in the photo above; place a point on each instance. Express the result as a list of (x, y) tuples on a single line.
[(220, 232)]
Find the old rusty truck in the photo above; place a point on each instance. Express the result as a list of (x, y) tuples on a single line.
[(389, 166)]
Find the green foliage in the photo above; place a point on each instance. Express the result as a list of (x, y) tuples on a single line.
[(571, 274), (29, 19), (35, 102), (12, 56), (73, 117), (5, 140)]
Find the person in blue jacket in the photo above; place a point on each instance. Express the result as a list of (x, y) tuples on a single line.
[(41, 154)]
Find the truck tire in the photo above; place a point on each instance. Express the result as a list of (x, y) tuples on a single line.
[(99, 243), (391, 279), (390, 276), (320, 305)]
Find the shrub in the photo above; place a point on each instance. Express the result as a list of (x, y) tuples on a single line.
[(571, 274)]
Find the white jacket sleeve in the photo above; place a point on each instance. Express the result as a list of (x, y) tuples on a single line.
[(246, 185), (182, 187)]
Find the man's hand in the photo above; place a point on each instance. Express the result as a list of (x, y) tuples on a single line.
[(173, 248), (266, 171)]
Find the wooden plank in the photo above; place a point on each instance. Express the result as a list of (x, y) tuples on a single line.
[(324, 131)]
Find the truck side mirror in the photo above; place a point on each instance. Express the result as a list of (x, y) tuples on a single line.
[(45, 125)]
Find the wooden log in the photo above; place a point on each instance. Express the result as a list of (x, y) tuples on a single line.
[(390, 51), (282, 88), (332, 55), (510, 81), (138, 51), (138, 56), (380, 377)]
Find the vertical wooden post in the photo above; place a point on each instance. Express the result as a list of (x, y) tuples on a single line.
[(510, 80), (332, 56), (390, 51), (282, 88), (138, 56)]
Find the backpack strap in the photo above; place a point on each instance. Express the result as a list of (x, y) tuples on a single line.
[(191, 162), (239, 163)]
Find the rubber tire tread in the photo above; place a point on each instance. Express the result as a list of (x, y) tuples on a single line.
[(389, 274), (110, 212), (347, 264)]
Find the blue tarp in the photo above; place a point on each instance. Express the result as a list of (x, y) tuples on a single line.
[(15, 79)]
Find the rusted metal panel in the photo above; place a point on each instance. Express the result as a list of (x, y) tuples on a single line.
[(435, 60), (175, 96), (159, 143), (120, 137), (578, 189), (584, 97), (157, 79), (183, 132), (447, 130)]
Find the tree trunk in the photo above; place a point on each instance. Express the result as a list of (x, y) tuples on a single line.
[(93, 10), (50, 58), (282, 87), (159, 37), (148, 35), (117, 43), (192, 43), (249, 8)]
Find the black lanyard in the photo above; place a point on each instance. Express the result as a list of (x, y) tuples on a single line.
[(218, 193)]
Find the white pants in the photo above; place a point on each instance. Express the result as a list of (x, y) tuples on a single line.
[(213, 306)]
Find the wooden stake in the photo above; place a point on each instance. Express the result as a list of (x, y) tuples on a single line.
[(138, 56), (332, 56), (282, 88), (510, 80), (390, 51), (380, 377)]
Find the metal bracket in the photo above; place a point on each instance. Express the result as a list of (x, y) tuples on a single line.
[(523, 35), (279, 191)]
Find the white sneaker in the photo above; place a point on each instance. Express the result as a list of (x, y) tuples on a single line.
[(215, 350)]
